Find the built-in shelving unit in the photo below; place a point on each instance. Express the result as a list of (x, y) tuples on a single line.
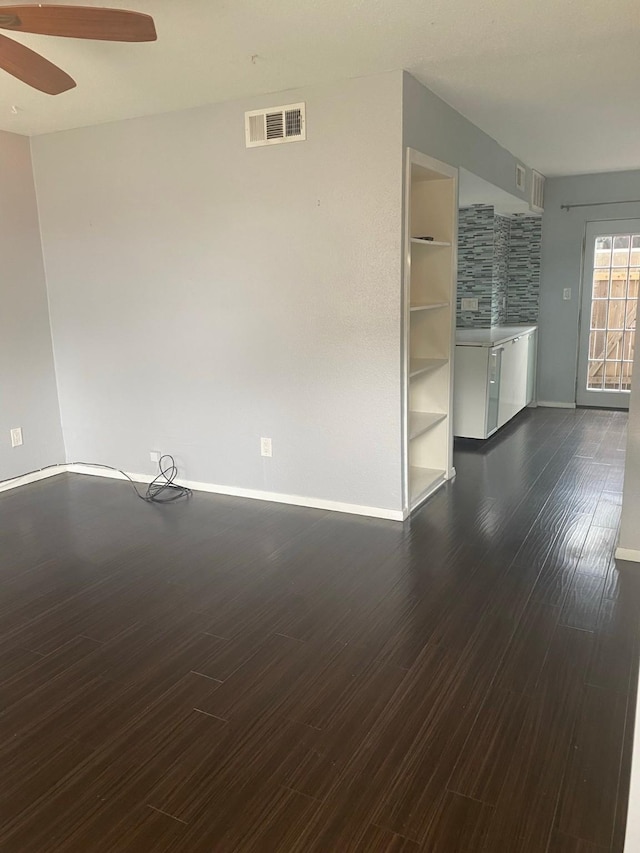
[(426, 242), (429, 291), (425, 365), (429, 307), (420, 422), (425, 481)]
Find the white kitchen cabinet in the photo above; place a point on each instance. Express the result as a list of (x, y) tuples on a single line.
[(531, 366), (494, 378), (514, 378)]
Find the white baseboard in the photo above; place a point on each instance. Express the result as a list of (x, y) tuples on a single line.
[(25, 479), (628, 554), (253, 494), (89, 470), (550, 404)]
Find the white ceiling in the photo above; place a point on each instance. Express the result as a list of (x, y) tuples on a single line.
[(554, 81)]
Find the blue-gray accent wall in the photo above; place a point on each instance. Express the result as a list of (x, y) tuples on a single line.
[(562, 251)]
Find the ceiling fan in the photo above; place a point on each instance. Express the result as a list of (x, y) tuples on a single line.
[(81, 22)]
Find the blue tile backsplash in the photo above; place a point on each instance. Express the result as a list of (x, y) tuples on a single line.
[(475, 263), (499, 300), (499, 264), (524, 269)]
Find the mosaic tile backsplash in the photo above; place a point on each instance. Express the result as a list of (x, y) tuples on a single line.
[(499, 301), (475, 263), (499, 264), (524, 269)]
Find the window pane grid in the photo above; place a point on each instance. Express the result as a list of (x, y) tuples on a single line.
[(616, 279)]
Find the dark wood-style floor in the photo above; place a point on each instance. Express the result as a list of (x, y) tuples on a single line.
[(230, 675)]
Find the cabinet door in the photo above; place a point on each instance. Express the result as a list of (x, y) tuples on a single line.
[(513, 379), (521, 355), (531, 367), (493, 397), (470, 392)]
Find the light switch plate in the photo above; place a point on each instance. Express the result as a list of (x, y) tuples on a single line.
[(566, 294), (467, 304), (16, 437)]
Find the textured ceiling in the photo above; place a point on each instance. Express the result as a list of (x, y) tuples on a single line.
[(555, 82)]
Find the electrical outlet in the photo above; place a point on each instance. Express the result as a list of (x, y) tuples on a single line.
[(468, 304), (16, 437), (265, 447), (154, 455), (566, 294)]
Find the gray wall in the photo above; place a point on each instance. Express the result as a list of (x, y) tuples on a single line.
[(203, 295), (433, 127), (28, 395), (562, 249)]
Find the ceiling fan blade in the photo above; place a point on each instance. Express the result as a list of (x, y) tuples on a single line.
[(82, 22), (32, 68)]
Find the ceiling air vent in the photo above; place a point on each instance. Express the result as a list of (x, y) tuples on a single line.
[(275, 125), (537, 191), (521, 177)]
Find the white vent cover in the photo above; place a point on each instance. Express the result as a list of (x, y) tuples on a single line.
[(275, 125), (537, 191), (521, 177)]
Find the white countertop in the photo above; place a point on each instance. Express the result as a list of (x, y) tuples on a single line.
[(490, 337)]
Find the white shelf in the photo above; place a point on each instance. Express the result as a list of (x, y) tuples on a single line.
[(429, 306), (422, 481), (429, 242), (424, 365), (420, 422)]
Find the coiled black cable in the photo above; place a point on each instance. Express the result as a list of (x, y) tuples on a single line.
[(164, 489)]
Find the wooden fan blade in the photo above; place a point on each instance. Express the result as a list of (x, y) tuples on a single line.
[(33, 69), (81, 22)]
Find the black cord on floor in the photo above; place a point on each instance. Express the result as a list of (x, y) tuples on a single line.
[(162, 490)]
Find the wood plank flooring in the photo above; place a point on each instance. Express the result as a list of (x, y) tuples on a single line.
[(230, 675)]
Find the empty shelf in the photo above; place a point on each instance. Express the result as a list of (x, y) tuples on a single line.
[(422, 481), (429, 306), (420, 422), (423, 365), (429, 242)]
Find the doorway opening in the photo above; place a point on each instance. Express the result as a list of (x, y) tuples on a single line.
[(609, 311)]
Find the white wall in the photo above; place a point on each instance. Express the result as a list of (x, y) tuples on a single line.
[(28, 395), (562, 250), (203, 295)]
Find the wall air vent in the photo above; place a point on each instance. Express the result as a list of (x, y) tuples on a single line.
[(275, 125), (537, 192), (521, 177)]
